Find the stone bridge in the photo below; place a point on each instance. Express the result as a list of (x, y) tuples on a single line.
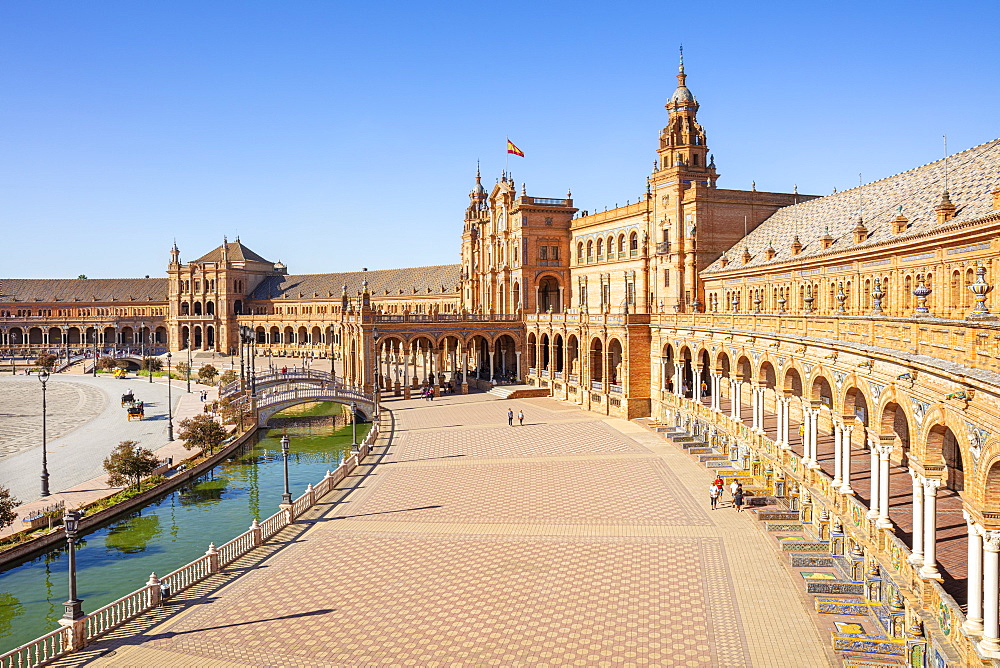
[(269, 404), (269, 379)]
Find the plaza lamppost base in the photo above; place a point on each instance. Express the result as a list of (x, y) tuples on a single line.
[(73, 609)]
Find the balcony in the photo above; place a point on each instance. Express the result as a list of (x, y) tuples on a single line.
[(663, 248)]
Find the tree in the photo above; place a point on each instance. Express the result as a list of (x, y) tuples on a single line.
[(46, 361), (227, 377), (152, 364), (8, 507), (82, 276), (128, 462), (121, 364), (183, 369), (233, 409), (207, 374), (201, 431), (106, 363)]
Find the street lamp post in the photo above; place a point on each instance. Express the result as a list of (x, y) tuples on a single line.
[(13, 368), (73, 606), (286, 498), (94, 369), (354, 426), (170, 405), (376, 372), (43, 376), (189, 366)]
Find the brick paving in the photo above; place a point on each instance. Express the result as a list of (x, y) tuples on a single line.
[(574, 540)]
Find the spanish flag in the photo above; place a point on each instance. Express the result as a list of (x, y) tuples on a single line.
[(513, 149)]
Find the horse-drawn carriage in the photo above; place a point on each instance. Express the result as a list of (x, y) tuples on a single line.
[(136, 410), (127, 398)]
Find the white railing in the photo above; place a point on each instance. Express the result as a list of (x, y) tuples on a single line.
[(38, 651), (187, 575), (273, 524), (113, 615), (312, 393), (292, 375), (116, 613), (236, 548)]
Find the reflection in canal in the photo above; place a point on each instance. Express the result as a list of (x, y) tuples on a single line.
[(172, 531)]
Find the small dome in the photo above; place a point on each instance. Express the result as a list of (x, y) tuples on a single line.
[(478, 190), (682, 94)]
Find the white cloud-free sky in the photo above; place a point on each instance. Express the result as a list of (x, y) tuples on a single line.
[(335, 135)]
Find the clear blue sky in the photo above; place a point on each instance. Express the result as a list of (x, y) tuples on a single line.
[(335, 135)]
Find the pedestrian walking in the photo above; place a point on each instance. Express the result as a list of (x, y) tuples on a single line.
[(733, 486), (704, 389), (713, 495), (720, 483), (510, 416), (520, 418), (738, 498)]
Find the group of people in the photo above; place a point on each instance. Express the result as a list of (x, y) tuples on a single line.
[(735, 489), (510, 417)]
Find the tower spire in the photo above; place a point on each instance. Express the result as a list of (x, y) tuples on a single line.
[(681, 77)]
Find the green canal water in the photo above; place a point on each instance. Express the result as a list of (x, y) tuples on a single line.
[(171, 531)]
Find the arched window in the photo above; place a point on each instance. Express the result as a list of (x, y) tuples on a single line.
[(590, 251), (611, 248), (633, 244), (197, 308), (600, 249), (185, 309), (579, 252), (210, 308), (621, 245)]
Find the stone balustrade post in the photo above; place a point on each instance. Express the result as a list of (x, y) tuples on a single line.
[(255, 532), (155, 595), (311, 495), (213, 558)]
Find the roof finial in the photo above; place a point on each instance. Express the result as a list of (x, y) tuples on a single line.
[(477, 170), (861, 201), (681, 77), (945, 137)]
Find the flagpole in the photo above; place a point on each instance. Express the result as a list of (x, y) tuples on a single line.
[(506, 160)]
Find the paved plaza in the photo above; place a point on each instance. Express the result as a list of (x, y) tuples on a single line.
[(571, 540)]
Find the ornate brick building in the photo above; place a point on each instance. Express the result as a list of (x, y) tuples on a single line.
[(839, 352)]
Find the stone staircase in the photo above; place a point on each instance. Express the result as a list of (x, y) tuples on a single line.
[(865, 630), (518, 391)]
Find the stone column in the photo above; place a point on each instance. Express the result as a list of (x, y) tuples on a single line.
[(716, 392), (814, 437), (406, 372), (807, 459), (884, 451), (465, 368), (845, 451), (753, 408), (930, 569), (974, 582), (917, 547), (990, 644), (734, 398), (873, 504), (783, 415), (838, 460), (760, 409), (517, 361), (491, 364), (678, 378)]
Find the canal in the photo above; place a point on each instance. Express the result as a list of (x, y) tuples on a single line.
[(175, 529)]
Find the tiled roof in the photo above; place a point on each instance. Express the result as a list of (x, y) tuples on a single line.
[(441, 280), (972, 176), (86, 290), (237, 253)]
